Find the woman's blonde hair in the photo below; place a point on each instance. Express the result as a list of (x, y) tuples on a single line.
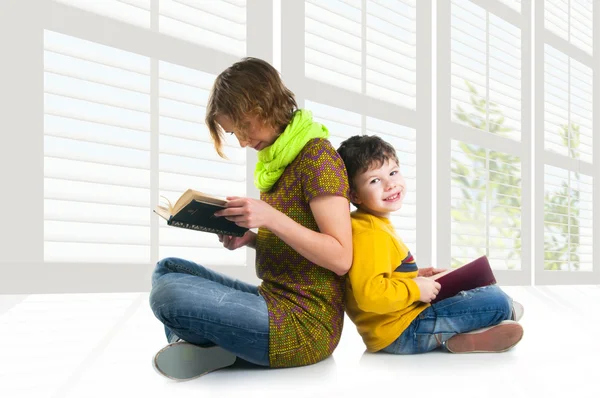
[(250, 87)]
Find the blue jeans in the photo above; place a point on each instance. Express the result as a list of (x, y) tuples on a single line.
[(467, 311), (206, 308)]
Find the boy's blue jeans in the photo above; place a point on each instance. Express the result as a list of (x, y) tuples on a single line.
[(465, 312), (206, 308)]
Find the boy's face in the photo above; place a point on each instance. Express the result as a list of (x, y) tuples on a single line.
[(380, 190), (255, 135)]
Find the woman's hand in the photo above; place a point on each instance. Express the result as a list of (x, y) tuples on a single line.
[(235, 242), (248, 212), (430, 271)]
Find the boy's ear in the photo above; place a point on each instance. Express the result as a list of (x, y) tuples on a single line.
[(354, 197)]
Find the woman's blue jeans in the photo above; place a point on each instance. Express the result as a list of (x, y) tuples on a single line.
[(465, 312), (206, 308)]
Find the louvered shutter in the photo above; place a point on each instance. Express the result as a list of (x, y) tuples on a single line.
[(96, 152), (391, 70), (187, 159), (485, 95), (571, 20), (568, 218), (567, 105), (486, 71), (135, 12), (568, 143), (486, 206), (333, 42), (220, 25), (514, 4)]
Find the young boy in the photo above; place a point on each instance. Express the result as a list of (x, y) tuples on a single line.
[(387, 295)]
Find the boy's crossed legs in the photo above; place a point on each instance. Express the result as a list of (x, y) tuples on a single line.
[(486, 312)]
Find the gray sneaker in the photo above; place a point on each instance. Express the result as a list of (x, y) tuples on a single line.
[(184, 361), (518, 311)]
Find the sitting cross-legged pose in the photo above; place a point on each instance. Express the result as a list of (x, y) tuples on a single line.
[(303, 245)]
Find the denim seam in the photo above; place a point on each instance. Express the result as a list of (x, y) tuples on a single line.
[(208, 320), (447, 316)]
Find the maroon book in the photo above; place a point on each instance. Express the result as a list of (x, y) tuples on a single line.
[(475, 274)]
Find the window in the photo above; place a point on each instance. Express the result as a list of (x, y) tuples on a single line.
[(567, 149), (123, 124), (484, 136), (96, 152)]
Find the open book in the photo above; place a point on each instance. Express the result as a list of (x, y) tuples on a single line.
[(477, 273), (195, 210)]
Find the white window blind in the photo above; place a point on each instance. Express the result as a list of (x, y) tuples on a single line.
[(220, 25), (187, 159), (96, 152), (485, 71), (377, 58), (486, 206), (97, 147), (343, 124), (568, 215), (391, 51), (514, 4), (568, 117), (333, 42), (135, 12), (571, 20)]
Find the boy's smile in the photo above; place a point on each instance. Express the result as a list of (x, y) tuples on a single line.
[(380, 190)]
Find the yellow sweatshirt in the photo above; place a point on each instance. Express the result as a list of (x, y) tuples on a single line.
[(381, 296)]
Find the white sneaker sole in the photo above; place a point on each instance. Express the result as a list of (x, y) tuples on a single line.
[(498, 338), (184, 361)]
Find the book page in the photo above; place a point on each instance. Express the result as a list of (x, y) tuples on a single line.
[(437, 276), (190, 195), (163, 212)]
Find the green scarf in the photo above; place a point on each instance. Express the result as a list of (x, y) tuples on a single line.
[(273, 159)]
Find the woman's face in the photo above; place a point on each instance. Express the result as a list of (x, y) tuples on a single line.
[(256, 134)]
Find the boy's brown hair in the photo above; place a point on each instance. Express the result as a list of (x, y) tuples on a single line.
[(250, 87), (363, 152)]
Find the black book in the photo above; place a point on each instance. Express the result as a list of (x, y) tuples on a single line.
[(195, 210)]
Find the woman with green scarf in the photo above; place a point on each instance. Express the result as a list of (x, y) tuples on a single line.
[(303, 245)]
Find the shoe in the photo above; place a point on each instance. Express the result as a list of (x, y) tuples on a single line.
[(499, 338), (184, 361), (518, 311)]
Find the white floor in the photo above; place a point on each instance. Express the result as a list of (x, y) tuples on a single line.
[(100, 345)]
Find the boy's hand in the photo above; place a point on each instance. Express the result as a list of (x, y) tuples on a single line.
[(430, 271), (428, 287), (235, 242)]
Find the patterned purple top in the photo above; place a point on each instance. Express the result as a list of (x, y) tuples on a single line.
[(305, 301)]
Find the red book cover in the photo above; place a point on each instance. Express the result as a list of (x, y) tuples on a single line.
[(475, 274)]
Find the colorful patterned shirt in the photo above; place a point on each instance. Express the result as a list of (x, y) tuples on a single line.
[(305, 301)]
